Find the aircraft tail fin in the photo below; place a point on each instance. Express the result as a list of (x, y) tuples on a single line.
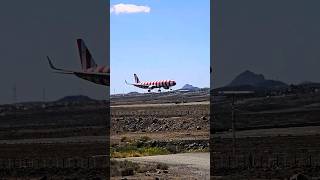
[(136, 79), (86, 59)]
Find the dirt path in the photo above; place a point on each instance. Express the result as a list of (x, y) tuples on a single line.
[(193, 164)]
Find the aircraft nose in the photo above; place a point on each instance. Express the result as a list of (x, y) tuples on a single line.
[(174, 83)]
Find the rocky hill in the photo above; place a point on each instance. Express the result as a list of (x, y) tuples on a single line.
[(189, 87), (77, 98), (248, 78)]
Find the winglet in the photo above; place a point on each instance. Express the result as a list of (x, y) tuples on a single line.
[(51, 64), (57, 69), (127, 82)]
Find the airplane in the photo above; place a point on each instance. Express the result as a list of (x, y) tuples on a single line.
[(90, 70), (166, 84)]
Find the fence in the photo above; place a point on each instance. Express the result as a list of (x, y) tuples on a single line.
[(285, 160), (75, 162)]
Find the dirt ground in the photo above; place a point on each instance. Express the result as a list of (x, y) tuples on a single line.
[(53, 141), (69, 140), (164, 122), (276, 138)]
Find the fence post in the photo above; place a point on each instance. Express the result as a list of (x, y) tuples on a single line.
[(254, 160), (310, 160)]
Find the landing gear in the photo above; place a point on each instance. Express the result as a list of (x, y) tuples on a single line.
[(159, 90), (149, 90)]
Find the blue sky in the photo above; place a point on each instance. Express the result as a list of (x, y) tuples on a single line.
[(170, 41)]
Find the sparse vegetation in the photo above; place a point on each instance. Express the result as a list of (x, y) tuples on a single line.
[(205, 149), (134, 151), (125, 139), (144, 138), (139, 148), (136, 148)]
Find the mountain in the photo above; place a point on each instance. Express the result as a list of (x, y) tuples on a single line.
[(133, 93), (248, 78), (189, 87), (78, 98)]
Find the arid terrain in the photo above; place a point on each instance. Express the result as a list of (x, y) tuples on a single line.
[(68, 139), (55, 140), (166, 123), (276, 137)]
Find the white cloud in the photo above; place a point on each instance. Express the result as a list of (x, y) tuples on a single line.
[(129, 8)]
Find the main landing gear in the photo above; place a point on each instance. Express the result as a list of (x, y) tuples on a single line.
[(149, 90), (159, 90)]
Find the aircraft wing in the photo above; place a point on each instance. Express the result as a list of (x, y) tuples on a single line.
[(98, 78), (151, 87), (141, 85)]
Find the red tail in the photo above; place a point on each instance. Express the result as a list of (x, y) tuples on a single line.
[(85, 56)]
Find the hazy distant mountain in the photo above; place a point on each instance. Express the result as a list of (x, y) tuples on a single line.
[(249, 78), (189, 87), (134, 92), (78, 98)]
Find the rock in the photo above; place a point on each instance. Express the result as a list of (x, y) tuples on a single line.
[(299, 176), (154, 121), (127, 172), (43, 178)]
